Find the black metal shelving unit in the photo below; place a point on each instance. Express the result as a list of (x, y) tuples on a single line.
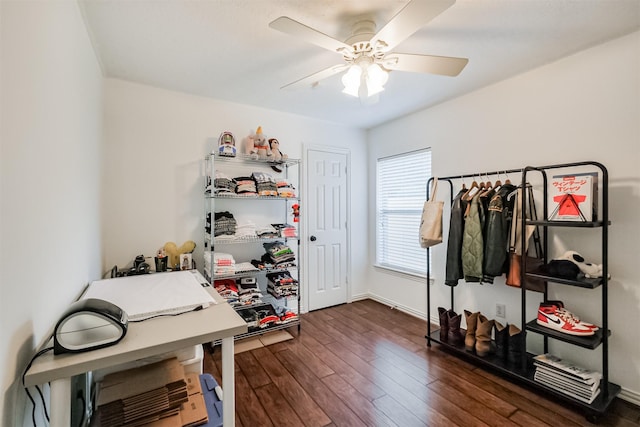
[(523, 371), (601, 338)]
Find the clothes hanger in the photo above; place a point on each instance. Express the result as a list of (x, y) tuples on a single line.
[(468, 195), (498, 183), (488, 184), (487, 188)]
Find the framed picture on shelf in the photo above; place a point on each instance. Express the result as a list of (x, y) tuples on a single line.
[(185, 262), (574, 197)]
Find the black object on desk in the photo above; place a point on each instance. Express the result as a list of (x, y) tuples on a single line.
[(89, 324)]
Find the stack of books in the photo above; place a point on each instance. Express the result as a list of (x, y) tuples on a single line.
[(567, 378)]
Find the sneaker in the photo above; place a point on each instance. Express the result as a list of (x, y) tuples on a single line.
[(566, 312), (553, 317), (288, 317)]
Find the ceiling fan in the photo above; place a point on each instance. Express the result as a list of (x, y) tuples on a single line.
[(368, 56)]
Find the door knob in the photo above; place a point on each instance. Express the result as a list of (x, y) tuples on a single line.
[(312, 238)]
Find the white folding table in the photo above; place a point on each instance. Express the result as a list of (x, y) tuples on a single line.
[(145, 339)]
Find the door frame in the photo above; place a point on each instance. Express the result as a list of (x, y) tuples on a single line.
[(304, 231)]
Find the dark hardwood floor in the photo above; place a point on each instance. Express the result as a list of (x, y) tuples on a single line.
[(365, 364)]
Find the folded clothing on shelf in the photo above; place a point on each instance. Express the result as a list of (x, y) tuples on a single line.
[(223, 184), (286, 230), (246, 230), (285, 189), (281, 284), (246, 186), (279, 253), (267, 232), (265, 184), (224, 224)]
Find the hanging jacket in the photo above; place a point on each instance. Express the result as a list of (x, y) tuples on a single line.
[(472, 242), (453, 271), (496, 244)]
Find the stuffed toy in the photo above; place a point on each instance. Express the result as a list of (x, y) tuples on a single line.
[(591, 271), (173, 252), (256, 145), (274, 145)]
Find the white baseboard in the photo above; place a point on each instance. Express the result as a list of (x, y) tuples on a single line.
[(359, 297), (393, 304), (630, 396)]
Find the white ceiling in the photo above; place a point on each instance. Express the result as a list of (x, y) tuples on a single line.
[(225, 49)]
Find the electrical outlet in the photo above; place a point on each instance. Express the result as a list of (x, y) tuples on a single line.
[(501, 310)]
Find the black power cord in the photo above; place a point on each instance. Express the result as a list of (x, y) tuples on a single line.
[(33, 402), (44, 404)]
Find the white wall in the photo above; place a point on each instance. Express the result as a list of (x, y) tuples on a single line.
[(583, 107), (51, 95), (156, 141)]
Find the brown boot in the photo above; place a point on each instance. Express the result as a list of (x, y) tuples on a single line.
[(455, 337), (470, 337), (444, 324), (483, 336)]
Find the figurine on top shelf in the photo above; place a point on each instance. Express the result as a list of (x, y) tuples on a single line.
[(256, 145), (226, 145)]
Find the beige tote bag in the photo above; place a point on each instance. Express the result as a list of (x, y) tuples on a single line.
[(431, 224)]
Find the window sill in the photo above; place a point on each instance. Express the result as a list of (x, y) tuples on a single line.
[(417, 277)]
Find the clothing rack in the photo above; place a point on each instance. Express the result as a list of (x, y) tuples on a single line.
[(450, 179), (524, 373)]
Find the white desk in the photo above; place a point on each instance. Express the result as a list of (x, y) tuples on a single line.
[(149, 338)]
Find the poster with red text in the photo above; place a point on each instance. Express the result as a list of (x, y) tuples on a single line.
[(574, 197)]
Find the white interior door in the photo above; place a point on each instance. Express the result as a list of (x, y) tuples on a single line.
[(327, 230)]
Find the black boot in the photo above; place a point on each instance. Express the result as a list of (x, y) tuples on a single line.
[(516, 344), (502, 340), (444, 324)]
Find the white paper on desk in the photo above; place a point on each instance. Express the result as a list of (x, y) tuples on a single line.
[(150, 295)]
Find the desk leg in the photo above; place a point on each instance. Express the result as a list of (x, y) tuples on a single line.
[(228, 384), (60, 403)]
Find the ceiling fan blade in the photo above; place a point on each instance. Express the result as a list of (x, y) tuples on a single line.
[(409, 20), (316, 77), (298, 30), (443, 65)]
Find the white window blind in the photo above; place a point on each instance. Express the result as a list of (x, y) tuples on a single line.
[(401, 193)]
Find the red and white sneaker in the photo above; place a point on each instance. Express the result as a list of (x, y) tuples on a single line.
[(575, 318), (553, 317)]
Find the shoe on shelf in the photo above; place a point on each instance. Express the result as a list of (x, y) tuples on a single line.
[(502, 339), (554, 317), (470, 335), (560, 305), (444, 324), (454, 337), (517, 343), (484, 328)]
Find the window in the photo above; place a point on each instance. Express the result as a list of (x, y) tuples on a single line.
[(401, 193)]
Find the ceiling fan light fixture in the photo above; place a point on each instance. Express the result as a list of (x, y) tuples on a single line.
[(364, 81), (376, 78), (351, 80)]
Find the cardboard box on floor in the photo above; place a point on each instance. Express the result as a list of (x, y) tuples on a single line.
[(194, 412), (156, 395), (134, 382)]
